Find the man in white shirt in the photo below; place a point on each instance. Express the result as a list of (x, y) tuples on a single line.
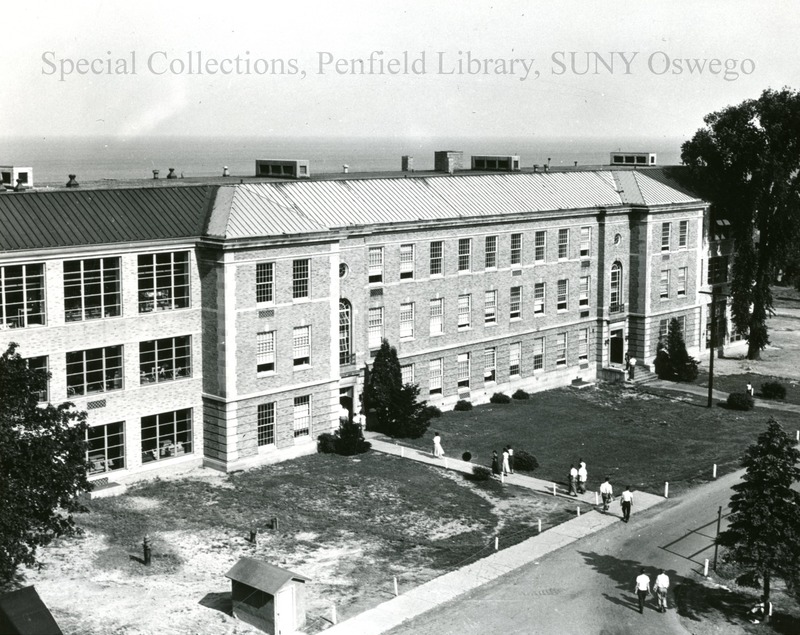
[(573, 480), (660, 589), (642, 588), (607, 492), (627, 502), (582, 476)]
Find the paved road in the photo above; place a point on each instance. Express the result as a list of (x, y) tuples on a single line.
[(587, 588)]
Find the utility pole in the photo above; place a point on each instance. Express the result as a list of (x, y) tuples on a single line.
[(713, 344)]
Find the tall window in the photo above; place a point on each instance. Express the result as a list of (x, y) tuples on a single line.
[(166, 435), (302, 416), (717, 269), (516, 249), (22, 296), (265, 432), (375, 264), (265, 282), (94, 370), (665, 229), (490, 307), (40, 364), (489, 365), (663, 285), (406, 261), (436, 257), (345, 333), (514, 359), (586, 241), (407, 374), (375, 327), (163, 281), (583, 345), (91, 289), (682, 274), (437, 316), (539, 246), (615, 295), (407, 320), (561, 299), (538, 353), (301, 345), (663, 330), (300, 278), (463, 371), (166, 359), (464, 254), (265, 352), (515, 306), (491, 252), (464, 311), (563, 244), (538, 298), (683, 234), (435, 373), (583, 293), (105, 447), (561, 349)]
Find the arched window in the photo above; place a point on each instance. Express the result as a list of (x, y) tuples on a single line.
[(345, 331), (615, 296)]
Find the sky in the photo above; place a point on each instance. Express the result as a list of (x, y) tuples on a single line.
[(504, 69)]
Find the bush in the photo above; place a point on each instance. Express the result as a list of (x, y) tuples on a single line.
[(740, 401), (462, 405), (433, 412), (467, 456), (500, 397), (326, 443), (520, 394), (347, 441), (481, 473), (524, 462), (773, 390)]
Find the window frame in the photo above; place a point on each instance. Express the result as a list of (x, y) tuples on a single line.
[(683, 276), (153, 294), (538, 353), (80, 304), (490, 252), (265, 424), (436, 315), (406, 321), (301, 346), (539, 298), (107, 354), (584, 291), (436, 376), (515, 359), (586, 242), (562, 295), (515, 303), (463, 371), (407, 252), (664, 284), (515, 252), (167, 448), (436, 258), (563, 243), (666, 230), (375, 265), (490, 365), (490, 307), (683, 234), (301, 416), (265, 283), (375, 326), (101, 459), (464, 255), (157, 365), (16, 297), (266, 352), (561, 349), (301, 279), (464, 312), (540, 246)]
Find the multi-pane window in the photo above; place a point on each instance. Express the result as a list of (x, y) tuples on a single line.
[(682, 323), (407, 374), (539, 245), (265, 282), (615, 295), (663, 329), (491, 252), (538, 353), (514, 358), (683, 233), (406, 261), (301, 272), (302, 416), (490, 307), (586, 241), (583, 345), (516, 249), (345, 332), (464, 254), (407, 320), (717, 269), (94, 370), (105, 447), (562, 295), (163, 281), (265, 352), (375, 327), (464, 311), (437, 250), (682, 274), (375, 264), (665, 230), (166, 435), (301, 345), (40, 364), (435, 373), (489, 365), (437, 316), (463, 370), (583, 292), (22, 296), (538, 298), (663, 284), (515, 305), (265, 432), (563, 244), (166, 359), (561, 349), (92, 289)]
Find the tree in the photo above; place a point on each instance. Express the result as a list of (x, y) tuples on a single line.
[(683, 366), (392, 407), (43, 466), (746, 163), (763, 537)]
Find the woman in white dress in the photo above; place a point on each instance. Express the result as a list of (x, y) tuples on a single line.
[(438, 452)]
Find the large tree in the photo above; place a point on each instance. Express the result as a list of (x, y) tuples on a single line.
[(763, 537), (746, 162), (43, 467)]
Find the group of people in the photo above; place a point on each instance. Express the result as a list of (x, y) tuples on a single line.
[(577, 478), (504, 465), (660, 587)]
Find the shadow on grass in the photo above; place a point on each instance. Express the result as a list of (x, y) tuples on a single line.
[(221, 602)]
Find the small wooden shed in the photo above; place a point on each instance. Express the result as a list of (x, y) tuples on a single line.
[(268, 597)]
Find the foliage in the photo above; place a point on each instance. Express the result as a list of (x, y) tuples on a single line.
[(43, 465), (462, 405), (481, 473), (392, 407), (520, 394), (434, 412), (326, 443), (524, 461), (350, 439), (740, 401), (763, 535), (500, 397), (673, 361), (746, 162), (467, 456), (773, 390)]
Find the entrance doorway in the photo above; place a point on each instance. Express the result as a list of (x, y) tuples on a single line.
[(617, 346)]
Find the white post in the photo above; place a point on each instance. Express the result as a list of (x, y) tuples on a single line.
[(798, 436), (554, 489), (333, 613), (579, 510), (666, 489), (715, 470), (496, 543), (705, 569), (445, 462), (402, 451), (502, 477), (395, 587), (596, 498), (540, 525)]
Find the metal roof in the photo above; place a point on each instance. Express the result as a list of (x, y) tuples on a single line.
[(262, 575)]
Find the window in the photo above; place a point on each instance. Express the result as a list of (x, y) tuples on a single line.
[(683, 234), (489, 365), (265, 432), (166, 435), (586, 241), (538, 298), (583, 345), (514, 358), (94, 370), (561, 349), (583, 294), (163, 281), (40, 364), (665, 227), (490, 307), (302, 416), (663, 330), (301, 345), (563, 244), (663, 285), (539, 245), (375, 327), (105, 447), (491, 252), (516, 249), (300, 279), (407, 320), (91, 289), (682, 274), (717, 269), (464, 254), (515, 306), (538, 353), (435, 372), (436, 258), (166, 359), (463, 372), (615, 295), (682, 323), (22, 296), (406, 262), (407, 374), (464, 311), (437, 316), (561, 299), (265, 282), (375, 265), (345, 333), (265, 352)]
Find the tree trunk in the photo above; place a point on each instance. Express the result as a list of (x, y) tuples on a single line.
[(766, 596), (753, 351)]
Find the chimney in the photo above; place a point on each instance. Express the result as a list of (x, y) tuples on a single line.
[(225, 171), (155, 174), (72, 182), (407, 163), (172, 174), (345, 169)]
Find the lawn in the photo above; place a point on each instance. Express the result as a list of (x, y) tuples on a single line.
[(738, 383)]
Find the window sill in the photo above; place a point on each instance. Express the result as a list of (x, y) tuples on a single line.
[(490, 323), (515, 319), (302, 367), (266, 373), (464, 328)]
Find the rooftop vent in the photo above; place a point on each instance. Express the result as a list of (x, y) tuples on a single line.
[(225, 171), (283, 168), (496, 162), (72, 182), (407, 163), (172, 174), (633, 159)]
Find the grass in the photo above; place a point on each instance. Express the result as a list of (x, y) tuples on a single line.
[(786, 297), (738, 383)]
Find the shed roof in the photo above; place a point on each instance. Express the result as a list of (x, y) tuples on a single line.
[(262, 575), (22, 612)]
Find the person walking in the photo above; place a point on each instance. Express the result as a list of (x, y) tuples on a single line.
[(642, 588), (631, 367), (607, 493), (438, 452), (495, 463), (660, 589), (582, 476), (627, 503), (506, 467), (573, 480), (749, 389), (511, 458)]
